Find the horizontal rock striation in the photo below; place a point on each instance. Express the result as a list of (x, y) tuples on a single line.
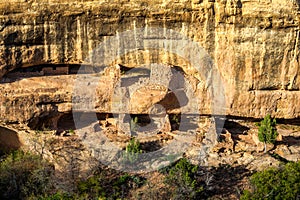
[(254, 45)]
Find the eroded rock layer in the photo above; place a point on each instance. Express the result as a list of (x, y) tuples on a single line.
[(254, 44)]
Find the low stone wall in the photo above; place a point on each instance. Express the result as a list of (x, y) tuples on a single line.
[(56, 70), (24, 74)]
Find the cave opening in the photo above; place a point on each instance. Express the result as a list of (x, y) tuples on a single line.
[(65, 123), (41, 70)]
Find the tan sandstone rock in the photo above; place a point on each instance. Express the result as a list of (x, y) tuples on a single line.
[(254, 45)]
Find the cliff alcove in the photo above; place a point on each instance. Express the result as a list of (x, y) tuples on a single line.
[(39, 71)]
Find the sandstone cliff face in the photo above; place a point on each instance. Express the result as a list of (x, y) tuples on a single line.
[(254, 45)]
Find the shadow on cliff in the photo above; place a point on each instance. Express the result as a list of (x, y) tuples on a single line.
[(10, 41), (235, 128), (295, 121), (232, 118), (290, 141), (239, 4)]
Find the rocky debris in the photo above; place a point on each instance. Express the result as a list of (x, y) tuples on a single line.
[(262, 162), (283, 151), (232, 148), (225, 152), (245, 149), (249, 142), (202, 130), (225, 144)]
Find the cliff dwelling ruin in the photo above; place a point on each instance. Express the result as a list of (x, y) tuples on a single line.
[(41, 70), (93, 87), (136, 119)]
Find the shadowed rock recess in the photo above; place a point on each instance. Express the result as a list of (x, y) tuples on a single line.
[(253, 43)]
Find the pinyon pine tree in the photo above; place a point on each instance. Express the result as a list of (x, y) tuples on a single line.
[(267, 132)]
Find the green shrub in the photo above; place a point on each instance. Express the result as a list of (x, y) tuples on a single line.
[(91, 188), (100, 187), (23, 175), (123, 184), (183, 179), (278, 184), (133, 146), (267, 132), (126, 178), (133, 149)]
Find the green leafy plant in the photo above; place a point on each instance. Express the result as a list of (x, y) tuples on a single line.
[(125, 182), (133, 146), (267, 132), (91, 188), (282, 183), (133, 149), (99, 186), (183, 179)]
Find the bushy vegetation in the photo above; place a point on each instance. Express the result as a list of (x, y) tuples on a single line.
[(267, 132), (24, 176), (91, 188), (133, 149), (133, 146), (27, 176), (184, 180), (99, 187), (283, 183)]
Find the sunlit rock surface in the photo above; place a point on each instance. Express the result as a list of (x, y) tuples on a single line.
[(253, 44)]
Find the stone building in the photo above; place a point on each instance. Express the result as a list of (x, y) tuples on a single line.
[(62, 70)]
